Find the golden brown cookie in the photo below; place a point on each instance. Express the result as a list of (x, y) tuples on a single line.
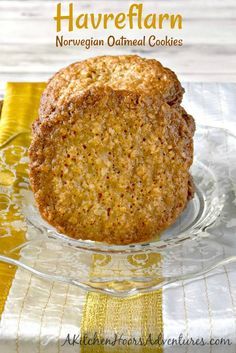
[(118, 72), (112, 166), (188, 118)]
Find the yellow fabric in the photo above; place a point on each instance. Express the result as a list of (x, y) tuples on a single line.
[(20, 107), (133, 318), (103, 314), (19, 110)]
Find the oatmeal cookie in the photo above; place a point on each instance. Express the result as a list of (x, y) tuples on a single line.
[(118, 72), (112, 165)]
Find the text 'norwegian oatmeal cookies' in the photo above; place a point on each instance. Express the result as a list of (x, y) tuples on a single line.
[(112, 166)]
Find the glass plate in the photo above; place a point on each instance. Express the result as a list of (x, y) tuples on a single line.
[(202, 238)]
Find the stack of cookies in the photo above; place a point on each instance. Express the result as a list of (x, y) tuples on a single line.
[(111, 150)]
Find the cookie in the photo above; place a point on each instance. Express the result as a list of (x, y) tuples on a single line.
[(118, 72), (112, 165)]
